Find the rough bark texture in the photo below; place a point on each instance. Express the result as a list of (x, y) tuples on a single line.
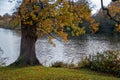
[(27, 50), (28, 39)]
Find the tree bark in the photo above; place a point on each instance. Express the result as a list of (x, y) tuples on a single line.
[(28, 39), (27, 49)]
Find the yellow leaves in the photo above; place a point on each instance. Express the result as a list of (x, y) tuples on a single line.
[(34, 17), (68, 28), (91, 20), (47, 24), (63, 35), (54, 17), (73, 34), (77, 31), (81, 31), (15, 22), (114, 9), (118, 27), (80, 20), (25, 16), (35, 7), (94, 27), (30, 23), (51, 41)]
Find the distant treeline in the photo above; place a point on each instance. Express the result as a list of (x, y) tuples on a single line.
[(106, 25), (7, 21)]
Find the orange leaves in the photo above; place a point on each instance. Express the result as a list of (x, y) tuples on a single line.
[(63, 35), (114, 8), (47, 25), (53, 17), (34, 17), (94, 27), (51, 41), (35, 7), (118, 27), (77, 31)]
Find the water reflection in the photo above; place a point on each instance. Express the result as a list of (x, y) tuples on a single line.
[(9, 43), (47, 53), (70, 52)]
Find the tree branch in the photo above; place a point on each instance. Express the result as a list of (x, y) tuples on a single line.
[(108, 12)]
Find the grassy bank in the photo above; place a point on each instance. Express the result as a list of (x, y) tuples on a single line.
[(44, 73)]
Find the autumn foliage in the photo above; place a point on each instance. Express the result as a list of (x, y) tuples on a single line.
[(51, 17), (115, 13), (45, 17)]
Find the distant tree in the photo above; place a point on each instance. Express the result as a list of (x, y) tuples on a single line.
[(46, 18), (113, 12), (4, 20), (108, 17), (14, 23), (6, 15), (114, 9), (106, 25)]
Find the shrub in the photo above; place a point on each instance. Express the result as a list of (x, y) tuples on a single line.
[(63, 65), (108, 62), (59, 64)]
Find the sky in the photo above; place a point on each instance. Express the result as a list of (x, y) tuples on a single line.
[(97, 4), (6, 7)]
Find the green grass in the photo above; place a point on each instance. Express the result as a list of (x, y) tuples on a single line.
[(45, 73)]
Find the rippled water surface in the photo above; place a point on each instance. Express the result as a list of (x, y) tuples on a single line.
[(70, 52)]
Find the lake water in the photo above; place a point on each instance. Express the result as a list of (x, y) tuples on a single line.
[(69, 52)]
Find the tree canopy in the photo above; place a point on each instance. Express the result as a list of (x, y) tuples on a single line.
[(46, 17), (49, 17)]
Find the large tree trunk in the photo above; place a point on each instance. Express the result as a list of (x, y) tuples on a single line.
[(28, 39), (27, 50)]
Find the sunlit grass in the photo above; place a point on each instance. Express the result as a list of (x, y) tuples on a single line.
[(45, 73)]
